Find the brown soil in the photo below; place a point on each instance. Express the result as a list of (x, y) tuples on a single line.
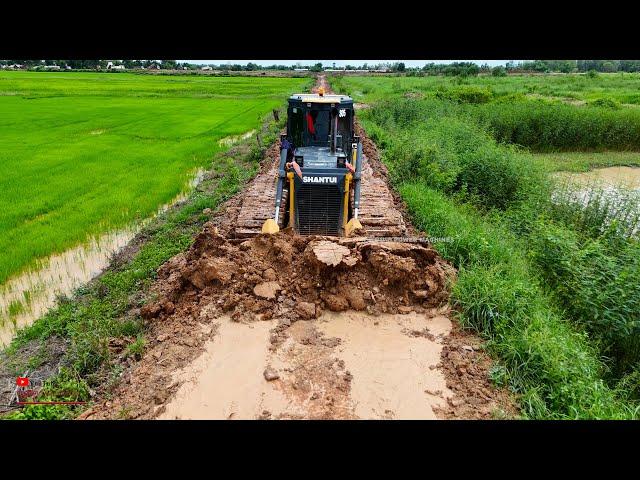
[(286, 326)]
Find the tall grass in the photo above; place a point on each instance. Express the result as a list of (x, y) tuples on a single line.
[(553, 368), (430, 142), (545, 127)]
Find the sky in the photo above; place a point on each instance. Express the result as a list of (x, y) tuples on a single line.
[(341, 63)]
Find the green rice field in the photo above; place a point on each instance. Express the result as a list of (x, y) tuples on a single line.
[(86, 153)]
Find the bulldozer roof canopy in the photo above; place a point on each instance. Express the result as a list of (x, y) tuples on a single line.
[(315, 98)]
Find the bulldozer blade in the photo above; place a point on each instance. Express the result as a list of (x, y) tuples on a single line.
[(352, 225), (270, 227)]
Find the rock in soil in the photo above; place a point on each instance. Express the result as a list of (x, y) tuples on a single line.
[(270, 374)]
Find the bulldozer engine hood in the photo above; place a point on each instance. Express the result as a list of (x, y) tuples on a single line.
[(320, 167)]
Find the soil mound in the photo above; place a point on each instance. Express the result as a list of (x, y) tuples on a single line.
[(295, 277)]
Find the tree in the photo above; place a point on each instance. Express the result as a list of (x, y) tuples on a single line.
[(499, 71), (317, 67), (168, 64)]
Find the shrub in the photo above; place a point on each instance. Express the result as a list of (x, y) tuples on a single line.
[(452, 154), (605, 103), (499, 71), (466, 94), (555, 126)]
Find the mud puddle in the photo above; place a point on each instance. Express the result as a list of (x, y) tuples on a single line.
[(393, 360), (227, 381), (345, 365)]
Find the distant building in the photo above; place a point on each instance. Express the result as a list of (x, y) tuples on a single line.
[(207, 68), (301, 69), (52, 67)]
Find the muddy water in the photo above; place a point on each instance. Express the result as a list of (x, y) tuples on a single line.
[(28, 296), (233, 139), (628, 177), (226, 381), (393, 373), (32, 293)]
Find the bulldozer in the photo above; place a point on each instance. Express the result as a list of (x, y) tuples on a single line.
[(319, 172)]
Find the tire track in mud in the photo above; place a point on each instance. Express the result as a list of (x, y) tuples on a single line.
[(264, 329)]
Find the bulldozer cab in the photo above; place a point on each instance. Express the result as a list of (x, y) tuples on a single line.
[(314, 120)]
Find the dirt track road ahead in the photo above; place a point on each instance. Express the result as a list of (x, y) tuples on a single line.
[(269, 328)]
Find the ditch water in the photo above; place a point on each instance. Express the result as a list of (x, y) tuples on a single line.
[(27, 296), (613, 191), (611, 177), (228, 141)]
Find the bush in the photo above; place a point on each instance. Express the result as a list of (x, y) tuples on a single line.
[(605, 103), (452, 155), (499, 71), (466, 94), (555, 126)]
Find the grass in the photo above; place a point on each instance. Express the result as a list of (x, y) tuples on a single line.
[(544, 127), (620, 87), (549, 281), (85, 153), (101, 310)]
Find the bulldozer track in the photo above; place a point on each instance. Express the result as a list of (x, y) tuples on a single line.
[(378, 213)]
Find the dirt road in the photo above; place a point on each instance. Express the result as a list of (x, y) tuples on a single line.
[(290, 327)]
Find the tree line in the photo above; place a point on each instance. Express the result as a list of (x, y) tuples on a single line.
[(448, 69)]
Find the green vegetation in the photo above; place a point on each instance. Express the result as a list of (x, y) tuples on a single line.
[(549, 278), (621, 87), (84, 153), (101, 311), (544, 126)]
